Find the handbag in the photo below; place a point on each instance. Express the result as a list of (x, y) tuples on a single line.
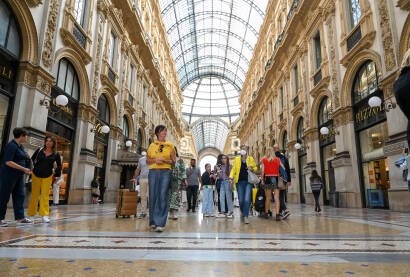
[(252, 177), (281, 183)]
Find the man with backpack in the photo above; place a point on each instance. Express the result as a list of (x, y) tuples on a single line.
[(284, 212)]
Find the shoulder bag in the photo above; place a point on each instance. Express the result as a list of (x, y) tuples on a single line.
[(252, 177)]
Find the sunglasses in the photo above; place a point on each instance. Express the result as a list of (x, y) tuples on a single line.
[(161, 148)]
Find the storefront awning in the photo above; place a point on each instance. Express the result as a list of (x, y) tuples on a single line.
[(127, 158)]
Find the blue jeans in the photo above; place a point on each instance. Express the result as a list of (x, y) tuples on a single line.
[(244, 194), (158, 196), (14, 185), (225, 192), (208, 201)]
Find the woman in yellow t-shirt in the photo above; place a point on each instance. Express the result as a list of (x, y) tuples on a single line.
[(160, 158)]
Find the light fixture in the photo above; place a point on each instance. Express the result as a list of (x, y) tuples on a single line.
[(376, 101), (61, 100), (105, 129), (128, 143), (298, 146), (324, 130)]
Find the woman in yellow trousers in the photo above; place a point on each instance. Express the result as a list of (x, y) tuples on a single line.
[(44, 160)]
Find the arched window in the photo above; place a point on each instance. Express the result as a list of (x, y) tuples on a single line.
[(324, 111), (125, 127), (67, 79), (300, 132), (9, 32), (365, 82), (285, 141), (103, 109)]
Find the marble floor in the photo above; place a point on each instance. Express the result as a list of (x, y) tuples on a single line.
[(88, 240)]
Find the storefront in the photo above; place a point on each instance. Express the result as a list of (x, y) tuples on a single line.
[(327, 149), (61, 121), (10, 46), (127, 159), (371, 135), (101, 138), (302, 159)]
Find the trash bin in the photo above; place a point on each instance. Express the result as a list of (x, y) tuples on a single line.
[(334, 199)]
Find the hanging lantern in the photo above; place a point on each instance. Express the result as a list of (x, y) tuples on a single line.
[(105, 129), (375, 101), (62, 100), (128, 143), (298, 146), (324, 130)]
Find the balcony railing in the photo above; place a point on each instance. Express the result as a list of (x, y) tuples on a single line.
[(317, 78), (354, 38), (79, 36)]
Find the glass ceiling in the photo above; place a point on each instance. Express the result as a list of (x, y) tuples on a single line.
[(210, 133), (212, 44)]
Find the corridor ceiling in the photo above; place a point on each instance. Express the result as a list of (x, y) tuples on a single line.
[(212, 43)]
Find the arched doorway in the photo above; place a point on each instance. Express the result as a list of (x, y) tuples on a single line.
[(302, 159), (101, 139), (10, 49), (61, 121), (327, 147), (371, 134)]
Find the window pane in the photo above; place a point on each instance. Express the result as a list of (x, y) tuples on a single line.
[(76, 89), (69, 82), (318, 52), (355, 12), (61, 74), (4, 23), (79, 10), (13, 42), (111, 57)]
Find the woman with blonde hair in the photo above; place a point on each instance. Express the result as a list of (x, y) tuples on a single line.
[(270, 179)]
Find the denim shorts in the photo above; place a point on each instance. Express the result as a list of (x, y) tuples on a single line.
[(271, 182)]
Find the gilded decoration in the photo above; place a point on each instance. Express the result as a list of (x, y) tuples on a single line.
[(36, 77), (50, 33), (34, 3), (387, 37)]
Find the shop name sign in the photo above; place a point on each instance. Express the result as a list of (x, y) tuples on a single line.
[(368, 112), (66, 109), (98, 128), (6, 72)]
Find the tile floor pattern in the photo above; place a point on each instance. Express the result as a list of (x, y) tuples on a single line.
[(89, 241)]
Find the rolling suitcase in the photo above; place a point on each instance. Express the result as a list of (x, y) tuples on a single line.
[(127, 202)]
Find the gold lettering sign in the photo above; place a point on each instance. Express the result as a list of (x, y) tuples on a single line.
[(98, 128), (66, 109), (367, 113), (6, 72)]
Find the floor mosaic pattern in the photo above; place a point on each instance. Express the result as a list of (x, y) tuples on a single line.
[(89, 241)]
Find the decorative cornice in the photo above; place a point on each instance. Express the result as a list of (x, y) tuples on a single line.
[(36, 77)]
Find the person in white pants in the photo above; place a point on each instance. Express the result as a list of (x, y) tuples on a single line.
[(142, 171)]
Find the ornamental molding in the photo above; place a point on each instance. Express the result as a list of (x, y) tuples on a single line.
[(34, 3), (342, 159), (70, 41), (97, 64), (387, 37), (50, 33), (36, 77), (403, 4), (333, 58), (343, 116), (395, 146), (87, 113)]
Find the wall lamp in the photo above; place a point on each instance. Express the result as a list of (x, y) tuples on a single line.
[(376, 101), (60, 100), (325, 131), (105, 129)]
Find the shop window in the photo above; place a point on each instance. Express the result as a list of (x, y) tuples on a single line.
[(67, 79), (365, 82), (324, 111), (318, 51), (125, 127), (9, 34), (103, 109), (354, 12), (80, 12)]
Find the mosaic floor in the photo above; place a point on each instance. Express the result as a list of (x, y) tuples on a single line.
[(89, 241)]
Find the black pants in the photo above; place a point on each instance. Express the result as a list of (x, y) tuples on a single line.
[(13, 185), (401, 92), (102, 191), (282, 196), (316, 194), (191, 196)]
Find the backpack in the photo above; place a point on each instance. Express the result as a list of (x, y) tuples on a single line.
[(260, 200)]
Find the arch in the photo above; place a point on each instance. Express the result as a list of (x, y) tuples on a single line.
[(76, 61), (282, 135), (404, 44), (111, 103), (314, 111), (293, 135), (29, 38), (350, 74)]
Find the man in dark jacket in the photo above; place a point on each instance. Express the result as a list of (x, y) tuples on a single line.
[(401, 92), (284, 212)]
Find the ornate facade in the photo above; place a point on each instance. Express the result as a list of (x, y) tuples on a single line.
[(114, 72), (315, 66)]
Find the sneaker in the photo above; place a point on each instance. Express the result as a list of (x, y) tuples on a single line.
[(46, 219), (153, 227), (285, 214), (159, 229), (211, 215), (220, 215), (246, 219), (229, 215), (24, 221), (3, 223)]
